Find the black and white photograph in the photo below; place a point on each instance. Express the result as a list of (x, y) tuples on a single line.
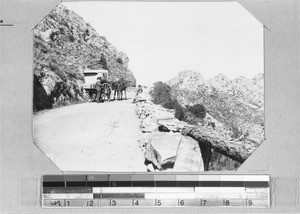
[(137, 106), (148, 86)]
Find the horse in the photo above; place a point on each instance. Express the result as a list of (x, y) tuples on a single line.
[(119, 87), (115, 88), (122, 87)]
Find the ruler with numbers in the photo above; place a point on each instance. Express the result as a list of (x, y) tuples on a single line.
[(155, 190)]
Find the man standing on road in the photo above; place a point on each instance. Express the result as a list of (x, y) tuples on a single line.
[(98, 89)]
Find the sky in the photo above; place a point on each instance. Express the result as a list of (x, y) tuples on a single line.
[(163, 38)]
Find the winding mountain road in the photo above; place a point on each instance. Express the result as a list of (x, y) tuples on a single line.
[(91, 137)]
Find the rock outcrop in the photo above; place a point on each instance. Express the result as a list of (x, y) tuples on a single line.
[(187, 79), (220, 82), (236, 105), (153, 116), (224, 116), (162, 138), (188, 157), (65, 45), (238, 150)]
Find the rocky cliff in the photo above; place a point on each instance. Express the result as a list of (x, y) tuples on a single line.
[(65, 45), (234, 113), (162, 144), (171, 144), (235, 106), (187, 79)]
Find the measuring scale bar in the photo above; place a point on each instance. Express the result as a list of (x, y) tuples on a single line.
[(154, 191), (148, 192), (97, 203), (144, 189), (156, 198)]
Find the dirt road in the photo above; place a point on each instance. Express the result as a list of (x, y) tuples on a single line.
[(91, 137)]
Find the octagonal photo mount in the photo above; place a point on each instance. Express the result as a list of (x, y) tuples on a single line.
[(178, 89)]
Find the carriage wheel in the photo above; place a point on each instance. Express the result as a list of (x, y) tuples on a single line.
[(106, 91), (93, 96)]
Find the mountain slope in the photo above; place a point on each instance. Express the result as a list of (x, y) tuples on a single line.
[(187, 79), (237, 105), (65, 45)]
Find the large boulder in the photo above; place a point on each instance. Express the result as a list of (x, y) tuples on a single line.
[(143, 97), (149, 124), (150, 115), (188, 158), (165, 144), (237, 149), (174, 125)]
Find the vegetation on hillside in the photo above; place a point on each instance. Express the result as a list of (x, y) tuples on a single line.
[(163, 94), (64, 46), (238, 118)]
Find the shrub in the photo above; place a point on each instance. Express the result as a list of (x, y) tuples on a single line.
[(76, 75), (53, 64), (103, 62), (169, 104), (61, 74), (236, 132), (80, 76), (61, 30), (53, 36), (71, 38), (119, 60), (161, 93), (179, 113), (189, 118), (198, 110)]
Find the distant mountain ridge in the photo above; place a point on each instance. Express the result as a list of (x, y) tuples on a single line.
[(248, 90), (187, 79), (237, 104)]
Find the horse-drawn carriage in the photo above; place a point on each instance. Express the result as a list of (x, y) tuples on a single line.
[(90, 77)]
